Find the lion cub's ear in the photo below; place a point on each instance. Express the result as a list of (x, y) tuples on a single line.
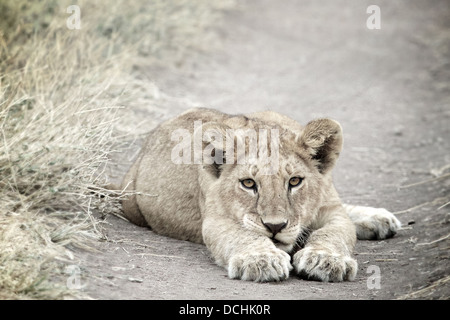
[(213, 136), (322, 139)]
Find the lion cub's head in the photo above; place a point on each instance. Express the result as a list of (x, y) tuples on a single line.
[(276, 190)]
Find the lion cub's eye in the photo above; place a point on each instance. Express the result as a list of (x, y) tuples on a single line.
[(295, 181), (248, 183)]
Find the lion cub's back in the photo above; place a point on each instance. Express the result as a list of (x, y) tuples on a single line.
[(170, 199)]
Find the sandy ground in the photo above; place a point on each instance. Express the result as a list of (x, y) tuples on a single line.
[(390, 90)]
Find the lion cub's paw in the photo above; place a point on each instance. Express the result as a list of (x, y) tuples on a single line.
[(262, 266), (324, 265), (375, 224)]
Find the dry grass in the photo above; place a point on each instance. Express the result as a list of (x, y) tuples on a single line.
[(426, 292), (60, 92)]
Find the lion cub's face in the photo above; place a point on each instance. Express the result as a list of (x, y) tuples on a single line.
[(279, 205)]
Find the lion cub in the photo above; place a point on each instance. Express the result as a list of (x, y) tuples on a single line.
[(256, 190)]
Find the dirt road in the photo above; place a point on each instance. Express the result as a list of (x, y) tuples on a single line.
[(390, 90)]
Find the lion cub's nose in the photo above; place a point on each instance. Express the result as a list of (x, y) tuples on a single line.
[(275, 228)]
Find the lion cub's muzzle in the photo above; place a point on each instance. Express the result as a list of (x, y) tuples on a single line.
[(282, 232), (274, 227)]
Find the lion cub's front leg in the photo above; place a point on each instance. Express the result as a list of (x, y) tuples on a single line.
[(245, 255), (262, 264), (327, 254), (373, 223)]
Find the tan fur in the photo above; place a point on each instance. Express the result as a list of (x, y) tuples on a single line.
[(206, 203)]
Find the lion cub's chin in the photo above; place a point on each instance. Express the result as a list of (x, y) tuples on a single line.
[(283, 246)]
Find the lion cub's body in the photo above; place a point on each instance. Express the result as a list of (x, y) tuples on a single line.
[(253, 231), (175, 208)]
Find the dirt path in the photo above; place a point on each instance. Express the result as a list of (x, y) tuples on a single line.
[(390, 90)]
